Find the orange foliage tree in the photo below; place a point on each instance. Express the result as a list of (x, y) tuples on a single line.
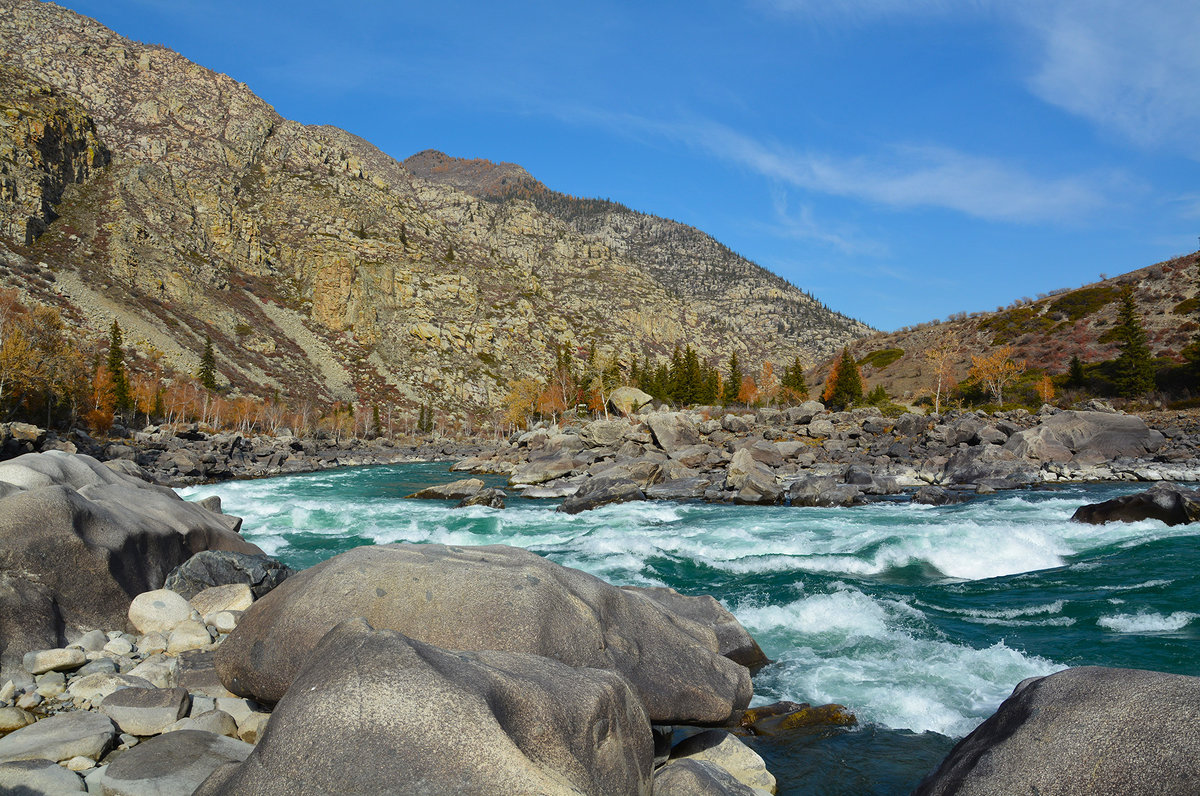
[(995, 370)]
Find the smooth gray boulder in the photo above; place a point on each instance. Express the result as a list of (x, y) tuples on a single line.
[(627, 400), (375, 712), (1091, 730), (938, 496), (1170, 504), (733, 640), (146, 711), (480, 598), (604, 433), (78, 541), (60, 737), (38, 778), (699, 778), (601, 491), (490, 497), (545, 467), (1104, 434), (679, 489), (224, 567), (175, 763), (988, 463), (672, 430)]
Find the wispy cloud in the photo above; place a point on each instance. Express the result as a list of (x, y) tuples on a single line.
[(914, 176), (800, 223), (1133, 68)]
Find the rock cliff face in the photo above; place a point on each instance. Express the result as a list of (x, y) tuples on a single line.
[(319, 266)]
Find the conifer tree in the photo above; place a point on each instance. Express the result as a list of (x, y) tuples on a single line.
[(1075, 374), (733, 382), (1135, 365), (796, 388), (122, 397), (208, 366), (845, 383)]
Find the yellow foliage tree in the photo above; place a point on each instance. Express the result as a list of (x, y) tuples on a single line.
[(748, 394), (995, 370), (941, 372), (521, 402), (1045, 388)]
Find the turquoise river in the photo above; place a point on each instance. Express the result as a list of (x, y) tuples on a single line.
[(920, 619)]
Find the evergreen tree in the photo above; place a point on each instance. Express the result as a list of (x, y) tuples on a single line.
[(846, 387), (793, 380), (733, 382), (122, 396), (208, 366), (1075, 375), (1135, 365)]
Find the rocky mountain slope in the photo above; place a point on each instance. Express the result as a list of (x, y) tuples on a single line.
[(138, 186), (1045, 332)]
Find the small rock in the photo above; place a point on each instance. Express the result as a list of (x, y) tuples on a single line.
[(14, 718), (51, 684), (159, 670), (152, 644), (177, 762), (29, 701), (146, 711), (80, 763), (60, 737), (91, 641), (188, 635), (98, 666), (56, 660), (95, 687), (252, 727), (698, 778), (722, 749), (119, 646), (224, 621), (214, 721), (38, 778), (158, 611), (229, 597)]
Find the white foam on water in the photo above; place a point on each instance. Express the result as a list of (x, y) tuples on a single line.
[(881, 659), (1055, 607), (1147, 622)]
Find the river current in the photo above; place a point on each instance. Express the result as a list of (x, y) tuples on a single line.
[(920, 619)]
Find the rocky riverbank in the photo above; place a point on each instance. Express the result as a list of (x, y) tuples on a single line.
[(807, 455)]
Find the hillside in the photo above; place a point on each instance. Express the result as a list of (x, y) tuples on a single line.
[(1046, 331), (141, 187)]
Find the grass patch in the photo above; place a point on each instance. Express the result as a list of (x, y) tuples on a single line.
[(882, 358), (1085, 301), (1008, 326), (1187, 306)]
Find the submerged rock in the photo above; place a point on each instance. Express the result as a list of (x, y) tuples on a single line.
[(1090, 730), (493, 597), (375, 712), (601, 491), (455, 490)]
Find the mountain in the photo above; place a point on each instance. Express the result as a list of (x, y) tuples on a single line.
[(140, 187), (1047, 331)]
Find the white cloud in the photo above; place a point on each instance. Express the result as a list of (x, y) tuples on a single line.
[(1133, 68), (800, 223), (909, 177)]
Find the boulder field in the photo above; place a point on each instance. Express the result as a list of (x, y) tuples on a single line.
[(807, 456)]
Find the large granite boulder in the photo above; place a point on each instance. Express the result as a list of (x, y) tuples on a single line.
[(673, 430), (488, 598), (455, 490), (1073, 434), (175, 763), (751, 480), (1091, 730), (604, 433), (733, 640), (78, 541), (375, 712), (822, 491), (627, 400), (1171, 504), (983, 463)]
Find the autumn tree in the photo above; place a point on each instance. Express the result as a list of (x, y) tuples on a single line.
[(995, 370), (605, 377), (844, 385), (1134, 374), (520, 403), (1045, 388), (768, 384), (941, 372)]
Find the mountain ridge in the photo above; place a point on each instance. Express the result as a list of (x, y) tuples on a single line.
[(323, 269)]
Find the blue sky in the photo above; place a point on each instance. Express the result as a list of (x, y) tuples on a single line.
[(900, 159)]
